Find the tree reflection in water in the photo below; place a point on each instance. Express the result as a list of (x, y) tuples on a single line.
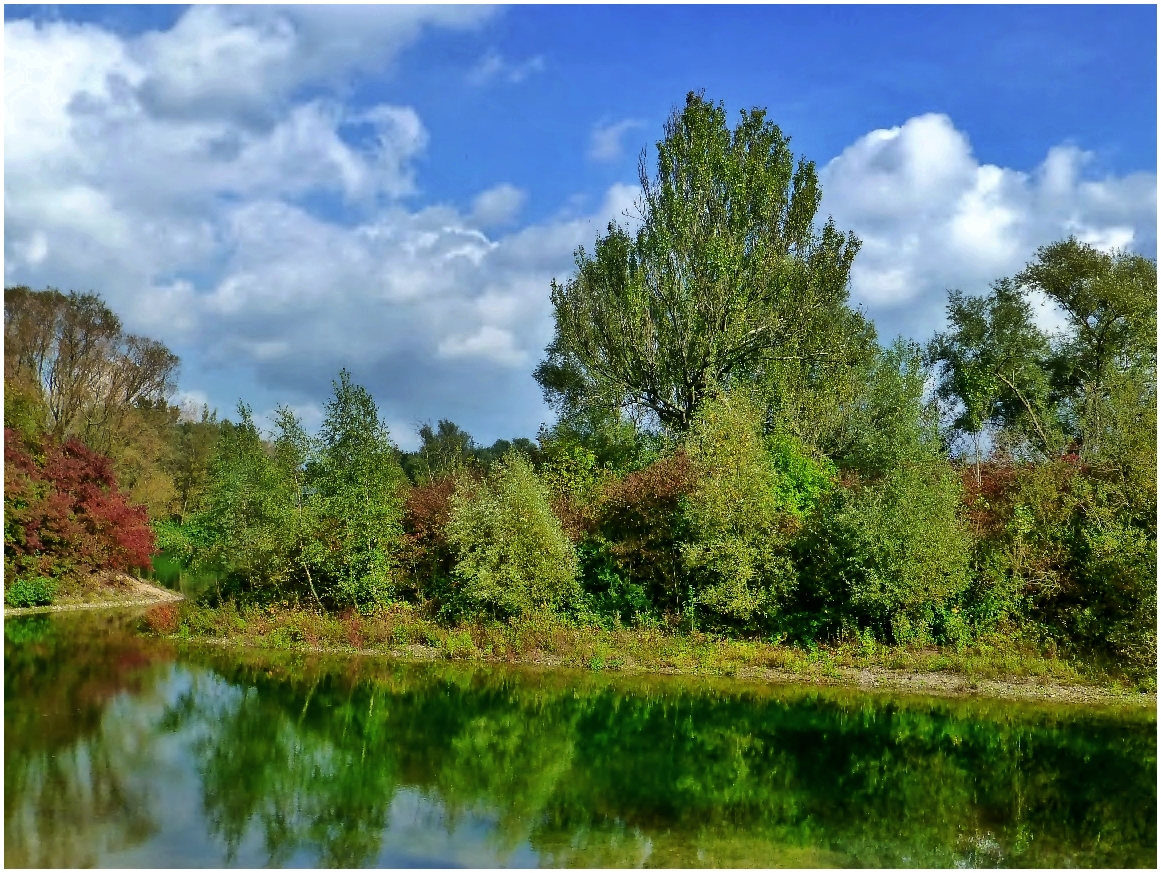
[(356, 761), (68, 798)]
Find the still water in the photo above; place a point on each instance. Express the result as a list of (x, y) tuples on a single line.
[(125, 751)]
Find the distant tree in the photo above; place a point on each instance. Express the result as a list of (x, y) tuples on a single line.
[(247, 510), (89, 371), (1077, 392), (195, 439), (355, 477), (726, 277), (1109, 301), (443, 450), (993, 364), (74, 372)]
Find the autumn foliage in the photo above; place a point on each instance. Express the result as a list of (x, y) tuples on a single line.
[(64, 514)]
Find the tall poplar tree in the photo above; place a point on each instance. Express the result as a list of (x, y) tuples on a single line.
[(727, 277)]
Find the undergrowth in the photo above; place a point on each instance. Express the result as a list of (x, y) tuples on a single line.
[(547, 639)]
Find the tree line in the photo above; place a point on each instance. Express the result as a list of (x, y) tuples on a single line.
[(735, 450)]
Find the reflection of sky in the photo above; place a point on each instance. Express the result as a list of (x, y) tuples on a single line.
[(162, 772)]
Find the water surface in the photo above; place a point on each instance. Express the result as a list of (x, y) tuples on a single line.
[(125, 751)]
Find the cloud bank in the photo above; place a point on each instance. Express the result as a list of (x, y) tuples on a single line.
[(262, 225)]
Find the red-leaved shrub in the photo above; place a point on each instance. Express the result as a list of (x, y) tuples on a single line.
[(64, 514), (425, 551), (163, 618), (641, 519)]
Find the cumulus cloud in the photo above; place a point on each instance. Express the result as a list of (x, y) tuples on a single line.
[(932, 217), (606, 140), (191, 201), (200, 228), (498, 206), (493, 67), (245, 62)]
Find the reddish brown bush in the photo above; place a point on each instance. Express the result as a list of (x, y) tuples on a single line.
[(353, 627), (163, 618), (63, 512), (426, 552), (641, 518), (1002, 483)]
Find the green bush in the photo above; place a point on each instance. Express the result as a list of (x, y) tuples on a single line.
[(892, 556), (37, 591), (611, 594), (512, 555), (748, 500), (1063, 551)]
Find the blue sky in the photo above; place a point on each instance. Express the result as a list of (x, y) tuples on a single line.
[(280, 191)]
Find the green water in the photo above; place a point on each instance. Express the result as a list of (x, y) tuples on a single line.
[(124, 751)]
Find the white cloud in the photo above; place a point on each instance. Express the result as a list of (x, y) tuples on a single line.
[(493, 67), (132, 167), (605, 142), (198, 226), (244, 62), (489, 343), (498, 206), (932, 217)]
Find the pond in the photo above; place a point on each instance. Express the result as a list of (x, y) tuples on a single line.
[(127, 751)]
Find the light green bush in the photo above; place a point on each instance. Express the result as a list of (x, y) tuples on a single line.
[(748, 501), (23, 593), (512, 554)]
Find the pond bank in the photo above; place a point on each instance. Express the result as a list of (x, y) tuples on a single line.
[(995, 668), (111, 591), (931, 683)]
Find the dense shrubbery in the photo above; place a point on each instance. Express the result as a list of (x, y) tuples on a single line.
[(23, 593), (301, 517), (64, 516)]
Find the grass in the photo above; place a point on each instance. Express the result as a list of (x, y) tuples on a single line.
[(549, 640)]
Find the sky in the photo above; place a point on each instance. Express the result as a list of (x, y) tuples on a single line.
[(277, 192)]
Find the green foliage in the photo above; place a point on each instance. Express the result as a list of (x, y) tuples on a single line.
[(571, 475), (890, 555), (994, 364), (890, 422), (36, 591), (745, 506), (357, 489), (194, 445), (24, 409), (305, 517), (725, 274), (444, 451), (615, 441), (512, 554), (246, 506), (612, 597), (1059, 551)]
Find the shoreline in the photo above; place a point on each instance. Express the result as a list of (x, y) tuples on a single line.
[(947, 684), (140, 593)]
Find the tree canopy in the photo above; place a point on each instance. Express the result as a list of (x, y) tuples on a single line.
[(725, 277)]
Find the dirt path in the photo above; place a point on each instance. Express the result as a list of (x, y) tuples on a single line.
[(121, 590)]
